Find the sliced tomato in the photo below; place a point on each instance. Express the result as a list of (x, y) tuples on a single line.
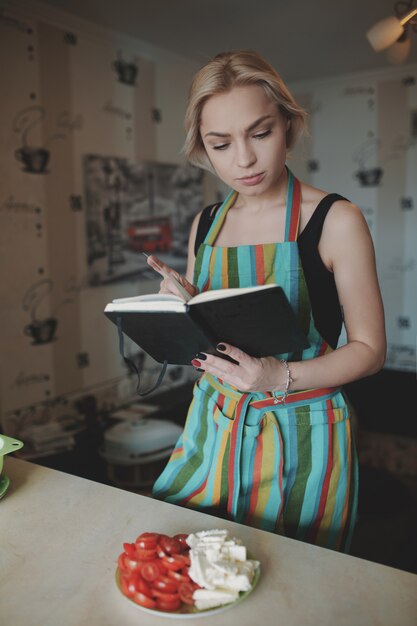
[(130, 549), (165, 585), (154, 569), (151, 570), (160, 551), (147, 541), (182, 538), (168, 605), (143, 587), (143, 600), (121, 563), (146, 555), (179, 576), (133, 565), (170, 545), (186, 560), (186, 591), (173, 562), (134, 584), (165, 595), (125, 585)]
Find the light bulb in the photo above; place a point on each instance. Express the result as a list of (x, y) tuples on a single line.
[(399, 51), (384, 33)]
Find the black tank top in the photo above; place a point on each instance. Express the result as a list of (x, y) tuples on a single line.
[(320, 281)]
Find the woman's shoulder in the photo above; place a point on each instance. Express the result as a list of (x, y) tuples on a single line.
[(343, 223), (201, 225), (339, 209), (345, 219), (204, 217)]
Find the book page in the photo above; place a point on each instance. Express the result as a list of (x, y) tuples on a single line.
[(148, 306), (150, 297), (217, 294)]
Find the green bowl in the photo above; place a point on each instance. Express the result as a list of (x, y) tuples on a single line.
[(7, 445)]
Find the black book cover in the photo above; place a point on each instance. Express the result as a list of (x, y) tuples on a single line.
[(169, 336), (261, 323)]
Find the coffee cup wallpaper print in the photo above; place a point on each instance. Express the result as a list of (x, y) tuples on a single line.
[(137, 207)]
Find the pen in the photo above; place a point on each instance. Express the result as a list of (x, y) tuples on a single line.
[(178, 285)]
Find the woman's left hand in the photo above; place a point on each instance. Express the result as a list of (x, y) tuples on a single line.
[(250, 374)]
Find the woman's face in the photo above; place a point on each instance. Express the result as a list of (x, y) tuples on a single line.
[(244, 135)]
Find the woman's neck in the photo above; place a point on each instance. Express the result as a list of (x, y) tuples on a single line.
[(274, 196)]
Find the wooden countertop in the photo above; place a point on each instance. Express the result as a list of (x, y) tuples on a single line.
[(61, 536)]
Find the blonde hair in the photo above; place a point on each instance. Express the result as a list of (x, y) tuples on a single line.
[(236, 69)]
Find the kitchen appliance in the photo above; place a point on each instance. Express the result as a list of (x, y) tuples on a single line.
[(7, 445), (137, 451)]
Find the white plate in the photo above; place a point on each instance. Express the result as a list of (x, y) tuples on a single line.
[(186, 611)]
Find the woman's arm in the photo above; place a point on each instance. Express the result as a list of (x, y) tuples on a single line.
[(347, 244), (346, 247)]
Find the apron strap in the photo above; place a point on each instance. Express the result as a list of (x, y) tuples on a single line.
[(235, 469), (293, 207), (236, 440), (220, 216)]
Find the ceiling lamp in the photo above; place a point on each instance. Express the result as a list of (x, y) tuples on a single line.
[(399, 51), (391, 32)]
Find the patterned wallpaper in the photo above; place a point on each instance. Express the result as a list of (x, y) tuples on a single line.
[(363, 145), (83, 192)]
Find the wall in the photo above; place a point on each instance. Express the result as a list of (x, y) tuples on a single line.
[(66, 97), (363, 145)]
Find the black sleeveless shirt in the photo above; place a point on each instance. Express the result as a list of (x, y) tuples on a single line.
[(320, 281)]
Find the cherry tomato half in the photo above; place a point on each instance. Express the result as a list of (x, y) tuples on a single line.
[(182, 538), (160, 551), (164, 595), (145, 555), (186, 591), (173, 562), (151, 570), (168, 605), (179, 576), (147, 541), (170, 545), (130, 550), (125, 585), (186, 560), (134, 584), (132, 565), (165, 585), (143, 600), (121, 563)]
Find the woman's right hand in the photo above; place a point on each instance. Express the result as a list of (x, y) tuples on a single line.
[(167, 285)]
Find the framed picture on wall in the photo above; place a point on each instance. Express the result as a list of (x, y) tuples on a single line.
[(137, 207)]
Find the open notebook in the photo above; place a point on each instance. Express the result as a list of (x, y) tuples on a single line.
[(258, 320)]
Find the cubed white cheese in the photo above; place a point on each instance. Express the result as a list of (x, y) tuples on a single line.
[(237, 553), (219, 565), (227, 566), (206, 599)]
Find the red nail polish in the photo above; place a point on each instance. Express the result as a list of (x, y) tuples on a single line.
[(195, 363)]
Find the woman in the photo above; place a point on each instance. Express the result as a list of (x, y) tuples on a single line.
[(268, 441)]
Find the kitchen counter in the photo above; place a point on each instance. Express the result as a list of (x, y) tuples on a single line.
[(61, 536)]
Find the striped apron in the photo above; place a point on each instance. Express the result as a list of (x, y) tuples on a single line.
[(289, 468)]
